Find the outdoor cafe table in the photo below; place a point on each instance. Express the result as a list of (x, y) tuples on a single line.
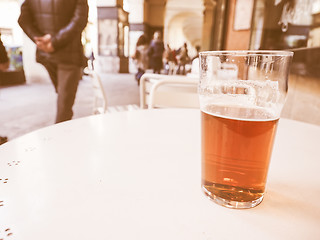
[(136, 175)]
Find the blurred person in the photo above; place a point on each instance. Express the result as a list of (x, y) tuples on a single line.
[(170, 60), (141, 56), (4, 65), (155, 52), (183, 59), (56, 26)]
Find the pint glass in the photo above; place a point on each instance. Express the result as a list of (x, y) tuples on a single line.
[(241, 96)]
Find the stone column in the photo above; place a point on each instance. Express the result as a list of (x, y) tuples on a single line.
[(113, 36), (208, 23), (214, 24), (136, 21), (110, 3)]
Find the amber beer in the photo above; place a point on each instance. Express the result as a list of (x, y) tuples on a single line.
[(236, 150)]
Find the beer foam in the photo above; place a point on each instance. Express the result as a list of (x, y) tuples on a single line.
[(263, 96), (240, 113)]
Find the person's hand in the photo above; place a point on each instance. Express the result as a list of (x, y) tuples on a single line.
[(44, 43), (4, 66)]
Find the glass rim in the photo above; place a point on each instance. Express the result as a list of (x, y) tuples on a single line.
[(241, 53)]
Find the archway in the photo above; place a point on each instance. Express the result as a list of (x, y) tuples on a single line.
[(184, 27), (183, 23)]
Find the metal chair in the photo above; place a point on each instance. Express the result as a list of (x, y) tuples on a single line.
[(100, 99), (168, 91), (100, 103)]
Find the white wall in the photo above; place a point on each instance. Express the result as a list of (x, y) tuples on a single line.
[(9, 14)]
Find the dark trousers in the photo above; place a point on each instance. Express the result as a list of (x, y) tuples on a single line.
[(156, 63), (139, 75), (65, 79)]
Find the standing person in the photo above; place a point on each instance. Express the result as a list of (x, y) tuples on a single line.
[(170, 60), (56, 26), (155, 52), (183, 59), (4, 65), (141, 56)]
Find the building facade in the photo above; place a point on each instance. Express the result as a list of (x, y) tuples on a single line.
[(115, 25)]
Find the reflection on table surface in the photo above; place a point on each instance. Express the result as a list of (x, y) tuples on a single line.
[(137, 175)]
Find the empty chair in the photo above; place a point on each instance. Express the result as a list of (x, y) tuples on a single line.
[(100, 99), (168, 91)]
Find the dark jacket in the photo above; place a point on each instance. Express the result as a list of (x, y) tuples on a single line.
[(63, 20), (155, 53)]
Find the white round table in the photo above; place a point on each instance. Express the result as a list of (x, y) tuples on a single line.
[(136, 175)]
